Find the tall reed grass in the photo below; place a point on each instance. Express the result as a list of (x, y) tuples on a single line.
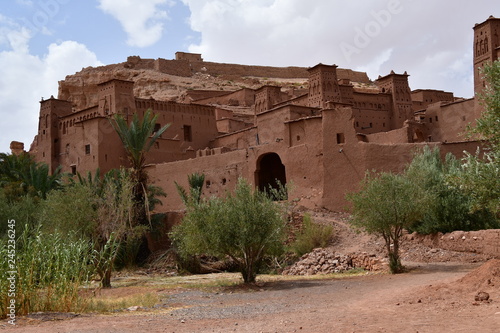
[(50, 270)]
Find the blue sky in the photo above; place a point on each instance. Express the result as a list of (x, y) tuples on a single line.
[(42, 41)]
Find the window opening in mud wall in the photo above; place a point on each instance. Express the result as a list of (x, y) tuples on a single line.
[(188, 135)]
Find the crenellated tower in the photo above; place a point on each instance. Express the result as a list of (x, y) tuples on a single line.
[(266, 97), (116, 96), (486, 50), (397, 85), (323, 85), (47, 142)]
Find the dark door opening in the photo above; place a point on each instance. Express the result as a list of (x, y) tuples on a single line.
[(270, 172)]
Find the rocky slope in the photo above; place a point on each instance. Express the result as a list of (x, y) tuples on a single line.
[(170, 79)]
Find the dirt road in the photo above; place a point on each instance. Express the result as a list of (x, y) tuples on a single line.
[(426, 299)]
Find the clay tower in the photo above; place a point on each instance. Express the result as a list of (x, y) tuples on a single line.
[(47, 146), (323, 85), (486, 49), (266, 97), (397, 85), (116, 96)]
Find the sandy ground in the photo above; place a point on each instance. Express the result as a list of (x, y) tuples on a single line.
[(411, 302), (430, 297)]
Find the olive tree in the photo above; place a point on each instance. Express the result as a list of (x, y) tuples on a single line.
[(386, 205), (246, 226)]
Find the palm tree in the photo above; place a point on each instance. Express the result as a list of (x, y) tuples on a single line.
[(21, 175), (39, 182), (138, 137), (12, 166), (195, 182)]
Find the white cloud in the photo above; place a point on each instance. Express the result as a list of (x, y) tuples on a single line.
[(141, 20), (373, 68), (25, 78), (424, 42), (28, 3)]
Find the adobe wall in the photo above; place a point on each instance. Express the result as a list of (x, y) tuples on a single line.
[(429, 96), (372, 112), (188, 56), (343, 163), (137, 62), (228, 125), (111, 152), (193, 125), (173, 67), (214, 69), (448, 122), (80, 146), (346, 159), (186, 64), (199, 95), (401, 135), (238, 140), (304, 161), (221, 174), (482, 241), (242, 97), (178, 67)]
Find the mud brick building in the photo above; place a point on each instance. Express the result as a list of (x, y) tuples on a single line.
[(322, 136)]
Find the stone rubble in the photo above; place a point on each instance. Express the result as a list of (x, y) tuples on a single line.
[(324, 261)]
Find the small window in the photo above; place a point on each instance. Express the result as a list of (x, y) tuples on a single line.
[(87, 149), (157, 128), (340, 138), (436, 118), (73, 169), (187, 133)]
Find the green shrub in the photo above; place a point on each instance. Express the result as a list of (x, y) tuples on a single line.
[(449, 207), (312, 236), (24, 209), (70, 210)]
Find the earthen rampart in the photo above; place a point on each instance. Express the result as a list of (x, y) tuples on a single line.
[(481, 242), (400, 135), (173, 67), (221, 171), (186, 67)]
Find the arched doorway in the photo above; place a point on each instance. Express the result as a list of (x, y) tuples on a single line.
[(270, 172)]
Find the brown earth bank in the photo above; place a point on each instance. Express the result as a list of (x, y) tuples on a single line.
[(442, 291)]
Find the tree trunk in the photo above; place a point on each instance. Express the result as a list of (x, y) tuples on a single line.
[(106, 279), (247, 270), (394, 259)]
